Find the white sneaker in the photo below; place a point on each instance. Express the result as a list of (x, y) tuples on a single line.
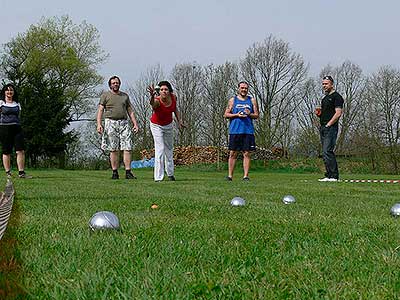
[(324, 179)]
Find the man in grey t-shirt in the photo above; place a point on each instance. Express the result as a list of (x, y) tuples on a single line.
[(117, 131)]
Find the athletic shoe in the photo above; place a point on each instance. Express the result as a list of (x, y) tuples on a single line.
[(246, 178), (227, 178), (129, 175), (115, 176), (326, 179), (9, 176), (171, 178), (25, 176)]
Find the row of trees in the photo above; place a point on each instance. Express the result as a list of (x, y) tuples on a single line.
[(286, 96), (54, 68), (54, 65)]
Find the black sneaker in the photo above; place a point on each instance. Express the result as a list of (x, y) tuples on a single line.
[(171, 178), (23, 175), (227, 178), (115, 176), (246, 178), (129, 175)]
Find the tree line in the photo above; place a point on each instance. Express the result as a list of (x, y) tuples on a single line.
[(55, 63)]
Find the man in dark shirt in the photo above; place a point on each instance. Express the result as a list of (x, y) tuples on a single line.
[(331, 110)]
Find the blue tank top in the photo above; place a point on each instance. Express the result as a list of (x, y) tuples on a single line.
[(241, 125)]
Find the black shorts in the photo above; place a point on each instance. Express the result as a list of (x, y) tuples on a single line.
[(242, 142), (11, 136)]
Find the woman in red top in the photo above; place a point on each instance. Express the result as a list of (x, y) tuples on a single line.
[(161, 125)]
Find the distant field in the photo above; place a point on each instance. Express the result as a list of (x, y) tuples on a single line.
[(338, 241)]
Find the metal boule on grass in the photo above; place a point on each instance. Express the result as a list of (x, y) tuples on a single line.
[(104, 220), (238, 201), (395, 210), (288, 199)]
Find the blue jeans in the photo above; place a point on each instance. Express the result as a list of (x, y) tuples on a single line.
[(328, 141)]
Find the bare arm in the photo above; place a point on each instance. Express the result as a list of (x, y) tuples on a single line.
[(178, 119), (336, 116), (228, 111), (254, 115), (154, 102), (133, 119), (99, 117)]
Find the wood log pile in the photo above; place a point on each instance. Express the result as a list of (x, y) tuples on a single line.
[(188, 155)]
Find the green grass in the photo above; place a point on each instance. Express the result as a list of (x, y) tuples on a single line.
[(338, 241)]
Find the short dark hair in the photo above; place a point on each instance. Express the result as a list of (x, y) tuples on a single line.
[(328, 77), (167, 84), (113, 77), (5, 88), (245, 82)]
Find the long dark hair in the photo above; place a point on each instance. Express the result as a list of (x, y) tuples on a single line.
[(5, 88)]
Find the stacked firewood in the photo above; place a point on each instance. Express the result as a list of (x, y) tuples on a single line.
[(189, 155), (279, 152), (193, 154), (263, 154)]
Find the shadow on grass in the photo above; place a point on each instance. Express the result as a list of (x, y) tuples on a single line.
[(10, 261)]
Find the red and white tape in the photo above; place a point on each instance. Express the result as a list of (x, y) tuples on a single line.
[(372, 180)]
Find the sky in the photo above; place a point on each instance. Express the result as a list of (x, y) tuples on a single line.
[(138, 35)]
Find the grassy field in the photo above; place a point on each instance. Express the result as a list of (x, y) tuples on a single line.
[(338, 241)]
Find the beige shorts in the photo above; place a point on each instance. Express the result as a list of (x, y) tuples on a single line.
[(117, 135)]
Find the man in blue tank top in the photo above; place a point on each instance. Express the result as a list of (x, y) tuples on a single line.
[(241, 111)]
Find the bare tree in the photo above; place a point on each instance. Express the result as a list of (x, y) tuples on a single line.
[(274, 74), (350, 83), (219, 84), (366, 140), (185, 79), (383, 94), (307, 133), (141, 105)]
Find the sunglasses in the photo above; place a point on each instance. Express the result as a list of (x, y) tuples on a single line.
[(328, 78)]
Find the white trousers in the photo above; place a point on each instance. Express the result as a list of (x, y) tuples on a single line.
[(164, 150)]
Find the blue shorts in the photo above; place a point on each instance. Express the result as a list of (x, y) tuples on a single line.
[(242, 142)]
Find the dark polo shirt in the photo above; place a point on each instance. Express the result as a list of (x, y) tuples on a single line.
[(328, 105)]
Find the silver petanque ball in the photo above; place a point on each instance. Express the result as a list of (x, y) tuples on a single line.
[(395, 210), (238, 201), (157, 89), (288, 199), (104, 220)]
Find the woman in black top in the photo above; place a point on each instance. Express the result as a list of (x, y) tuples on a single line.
[(11, 135)]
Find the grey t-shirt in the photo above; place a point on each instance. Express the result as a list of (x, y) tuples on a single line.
[(115, 105)]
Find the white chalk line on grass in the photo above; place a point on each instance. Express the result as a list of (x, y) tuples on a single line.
[(371, 180)]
